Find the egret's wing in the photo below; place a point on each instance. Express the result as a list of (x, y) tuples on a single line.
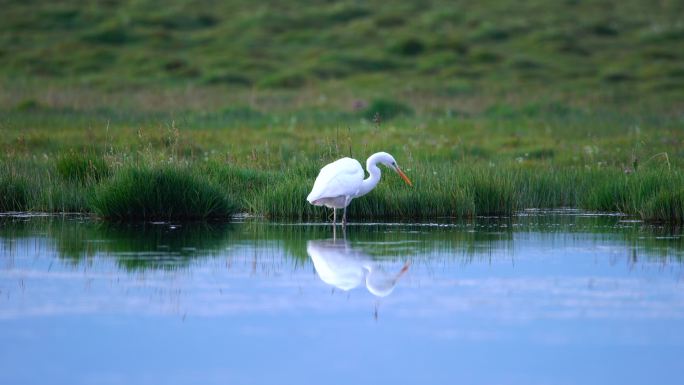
[(342, 177)]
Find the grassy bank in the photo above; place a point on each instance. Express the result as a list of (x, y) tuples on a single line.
[(213, 189), (200, 109), (208, 165)]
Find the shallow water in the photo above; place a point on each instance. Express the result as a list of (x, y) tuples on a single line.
[(560, 298)]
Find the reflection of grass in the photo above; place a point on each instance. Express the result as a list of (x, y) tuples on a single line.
[(139, 247), (163, 247), (134, 246)]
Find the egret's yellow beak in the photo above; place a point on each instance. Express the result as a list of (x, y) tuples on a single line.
[(404, 177)]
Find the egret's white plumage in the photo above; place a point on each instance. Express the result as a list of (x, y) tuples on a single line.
[(337, 182), (343, 180)]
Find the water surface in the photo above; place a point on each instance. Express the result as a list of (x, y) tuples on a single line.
[(564, 298)]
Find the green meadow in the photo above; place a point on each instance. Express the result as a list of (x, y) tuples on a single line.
[(196, 110)]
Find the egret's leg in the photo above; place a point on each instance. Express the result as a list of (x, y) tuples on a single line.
[(334, 217), (347, 200)]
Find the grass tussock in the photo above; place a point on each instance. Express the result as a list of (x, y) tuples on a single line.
[(160, 193), (665, 206), (14, 192)]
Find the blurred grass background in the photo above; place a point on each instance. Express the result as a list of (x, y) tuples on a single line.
[(521, 79), (274, 86), (444, 48)]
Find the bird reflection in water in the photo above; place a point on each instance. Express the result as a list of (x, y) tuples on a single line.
[(344, 267)]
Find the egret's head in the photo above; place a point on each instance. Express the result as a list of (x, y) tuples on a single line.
[(388, 160)]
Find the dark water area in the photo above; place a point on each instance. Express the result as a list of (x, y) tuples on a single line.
[(542, 298)]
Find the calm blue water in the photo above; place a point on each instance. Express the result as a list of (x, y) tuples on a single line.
[(540, 299)]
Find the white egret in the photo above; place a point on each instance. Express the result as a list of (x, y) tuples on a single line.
[(342, 180)]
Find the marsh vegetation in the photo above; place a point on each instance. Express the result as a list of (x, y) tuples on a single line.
[(104, 108)]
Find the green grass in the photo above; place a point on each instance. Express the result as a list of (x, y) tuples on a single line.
[(31, 185), (469, 191), (14, 192), (160, 193), (564, 45), (385, 109), (155, 186), (490, 107), (82, 167), (666, 205)]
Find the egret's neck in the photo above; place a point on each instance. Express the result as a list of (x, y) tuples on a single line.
[(369, 183)]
